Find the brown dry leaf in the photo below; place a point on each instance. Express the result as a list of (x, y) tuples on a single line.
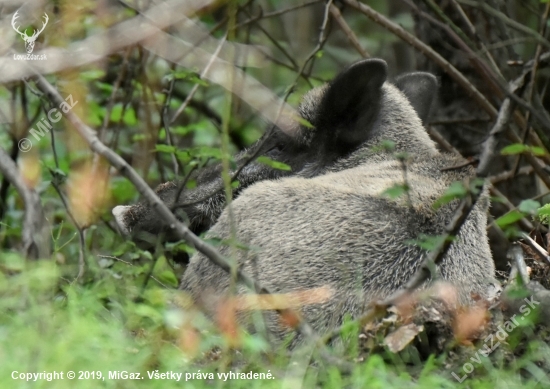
[(88, 193), (468, 322), (400, 338)]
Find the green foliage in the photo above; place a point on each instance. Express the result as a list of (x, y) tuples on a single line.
[(543, 214), (427, 242), (525, 208), (385, 145), (456, 190), (519, 148), (125, 313), (396, 191), (274, 164)]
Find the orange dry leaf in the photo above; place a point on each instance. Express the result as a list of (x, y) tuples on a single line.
[(445, 292), (29, 166), (280, 301), (88, 193), (226, 318), (189, 340), (468, 322), (290, 318)]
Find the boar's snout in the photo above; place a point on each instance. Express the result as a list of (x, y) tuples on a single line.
[(119, 212)]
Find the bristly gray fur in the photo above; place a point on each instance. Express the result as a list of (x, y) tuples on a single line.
[(328, 227)]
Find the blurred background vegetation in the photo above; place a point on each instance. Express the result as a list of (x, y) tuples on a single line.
[(100, 303)]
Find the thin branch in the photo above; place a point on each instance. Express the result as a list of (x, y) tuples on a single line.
[(280, 12), (81, 240), (515, 253), (512, 23), (427, 51), (131, 264), (481, 45), (525, 224), (532, 79), (537, 248), (460, 34), (337, 15), (35, 234), (524, 170)]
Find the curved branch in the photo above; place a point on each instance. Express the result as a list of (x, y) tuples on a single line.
[(35, 235)]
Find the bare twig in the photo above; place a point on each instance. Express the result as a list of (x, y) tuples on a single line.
[(196, 86), (515, 253), (445, 145), (337, 15), (131, 264), (525, 170), (536, 247)]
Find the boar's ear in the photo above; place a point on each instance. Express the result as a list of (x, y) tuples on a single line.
[(351, 103), (420, 88)]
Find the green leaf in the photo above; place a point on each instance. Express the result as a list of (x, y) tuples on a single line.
[(396, 191), (303, 122), (129, 117), (456, 190), (104, 87), (207, 152), (138, 137), (538, 151), (529, 206), (95, 114), (427, 242), (58, 176), (509, 218), (122, 190), (12, 262), (402, 156), (543, 214), (168, 277), (147, 311), (165, 149), (92, 74), (274, 164), (385, 145), (516, 148)]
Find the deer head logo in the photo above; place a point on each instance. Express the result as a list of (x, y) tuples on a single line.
[(29, 40)]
